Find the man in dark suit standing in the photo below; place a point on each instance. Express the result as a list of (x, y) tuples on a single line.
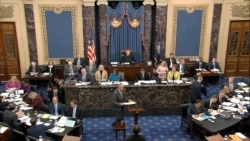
[(55, 107), (171, 61), (75, 111), (118, 98), (142, 75), (195, 109), (10, 117), (196, 89), (38, 130), (79, 62)]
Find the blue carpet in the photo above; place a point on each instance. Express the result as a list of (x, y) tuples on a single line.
[(154, 128)]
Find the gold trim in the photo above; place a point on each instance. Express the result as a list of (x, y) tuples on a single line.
[(115, 23), (58, 9), (203, 26), (190, 9)]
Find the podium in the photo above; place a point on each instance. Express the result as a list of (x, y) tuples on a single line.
[(136, 111)]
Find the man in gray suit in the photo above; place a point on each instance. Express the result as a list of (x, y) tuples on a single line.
[(117, 100), (70, 71)]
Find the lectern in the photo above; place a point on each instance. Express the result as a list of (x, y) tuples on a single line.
[(136, 111)]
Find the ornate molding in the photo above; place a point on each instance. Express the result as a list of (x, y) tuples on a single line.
[(190, 9), (242, 11), (88, 2), (161, 2), (58, 9), (102, 2), (150, 2), (6, 11)]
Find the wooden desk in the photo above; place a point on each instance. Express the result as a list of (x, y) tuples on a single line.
[(130, 71), (6, 135), (136, 112), (39, 77)]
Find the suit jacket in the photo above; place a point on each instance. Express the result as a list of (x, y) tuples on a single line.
[(60, 94), (146, 76), (203, 65), (206, 105), (52, 69), (117, 99), (173, 75), (88, 78), (195, 91), (130, 59), (79, 112), (246, 80), (184, 68), (136, 138), (101, 77), (93, 69), (82, 62), (67, 70), (11, 119), (168, 62), (192, 110), (211, 66), (60, 109), (36, 102), (39, 130), (31, 69)]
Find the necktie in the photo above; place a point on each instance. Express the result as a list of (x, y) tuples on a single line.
[(34, 69), (78, 62), (200, 65), (142, 76), (171, 63), (74, 112), (214, 65), (83, 78), (56, 112), (121, 94)]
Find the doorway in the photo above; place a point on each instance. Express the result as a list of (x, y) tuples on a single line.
[(238, 49), (9, 55)]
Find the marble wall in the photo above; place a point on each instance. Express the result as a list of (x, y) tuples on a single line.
[(215, 31), (31, 32)]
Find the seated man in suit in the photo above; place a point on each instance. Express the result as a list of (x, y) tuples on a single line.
[(142, 75), (200, 64), (91, 68), (214, 65), (79, 62), (182, 67), (75, 111), (56, 92), (128, 58), (33, 69), (171, 61), (211, 103), (10, 117), (195, 109), (136, 136), (55, 107), (70, 71), (38, 130), (84, 76), (231, 84)]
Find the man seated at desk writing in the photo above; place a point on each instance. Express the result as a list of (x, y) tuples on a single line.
[(84, 76), (127, 58), (195, 110), (142, 75)]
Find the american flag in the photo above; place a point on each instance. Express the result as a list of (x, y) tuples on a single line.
[(91, 46)]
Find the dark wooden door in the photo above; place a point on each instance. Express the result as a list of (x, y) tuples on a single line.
[(238, 49), (9, 57)]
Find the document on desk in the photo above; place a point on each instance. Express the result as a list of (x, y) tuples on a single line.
[(45, 116), (53, 117), (235, 138), (4, 94), (3, 129), (70, 123), (129, 103), (57, 129), (242, 84), (26, 108), (62, 121)]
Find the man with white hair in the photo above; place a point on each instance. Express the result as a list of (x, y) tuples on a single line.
[(33, 69), (70, 71)]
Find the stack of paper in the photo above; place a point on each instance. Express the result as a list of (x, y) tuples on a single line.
[(45, 116), (3, 129), (70, 123)]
